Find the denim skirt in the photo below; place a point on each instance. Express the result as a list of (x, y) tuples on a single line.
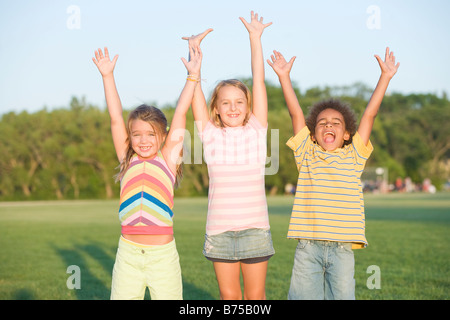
[(250, 245)]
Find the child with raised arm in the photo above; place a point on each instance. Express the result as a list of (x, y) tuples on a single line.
[(150, 167), (328, 213), (234, 140)]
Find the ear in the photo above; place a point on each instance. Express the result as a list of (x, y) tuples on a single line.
[(313, 138), (346, 136)]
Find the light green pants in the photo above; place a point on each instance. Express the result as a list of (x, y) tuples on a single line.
[(139, 266)]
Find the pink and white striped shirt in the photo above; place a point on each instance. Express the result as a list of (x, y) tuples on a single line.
[(236, 162)]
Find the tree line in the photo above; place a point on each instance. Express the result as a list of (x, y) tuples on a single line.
[(67, 153)]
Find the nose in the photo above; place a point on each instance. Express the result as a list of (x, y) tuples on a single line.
[(233, 106), (144, 138)]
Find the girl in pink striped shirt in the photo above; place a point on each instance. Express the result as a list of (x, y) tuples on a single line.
[(234, 136)]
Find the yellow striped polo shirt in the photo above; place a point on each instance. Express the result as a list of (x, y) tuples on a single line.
[(329, 203)]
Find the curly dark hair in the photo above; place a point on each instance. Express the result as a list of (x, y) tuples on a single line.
[(343, 108)]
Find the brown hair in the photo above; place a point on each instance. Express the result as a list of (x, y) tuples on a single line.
[(158, 121), (213, 103), (341, 107)]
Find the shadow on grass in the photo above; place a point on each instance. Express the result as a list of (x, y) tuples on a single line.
[(92, 286)]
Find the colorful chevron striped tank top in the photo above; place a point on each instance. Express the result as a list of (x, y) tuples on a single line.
[(146, 197)]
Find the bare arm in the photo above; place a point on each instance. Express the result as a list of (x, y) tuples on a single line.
[(118, 129), (255, 29), (174, 140), (388, 70), (199, 106), (283, 69)]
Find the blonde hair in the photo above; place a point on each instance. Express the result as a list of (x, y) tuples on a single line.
[(158, 121), (215, 117)]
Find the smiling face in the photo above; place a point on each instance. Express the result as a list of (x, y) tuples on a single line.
[(232, 106), (144, 139), (330, 132)]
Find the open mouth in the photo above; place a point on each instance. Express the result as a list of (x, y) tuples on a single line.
[(233, 115), (329, 137)]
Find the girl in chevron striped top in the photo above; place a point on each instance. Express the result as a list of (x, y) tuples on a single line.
[(328, 213), (235, 141), (150, 167)]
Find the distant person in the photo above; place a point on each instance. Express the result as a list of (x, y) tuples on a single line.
[(150, 167), (234, 139), (328, 212)]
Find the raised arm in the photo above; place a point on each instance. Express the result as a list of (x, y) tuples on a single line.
[(118, 129), (199, 106), (283, 69), (388, 70), (174, 140), (255, 29)]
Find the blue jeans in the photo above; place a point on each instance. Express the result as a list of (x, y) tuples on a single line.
[(323, 270)]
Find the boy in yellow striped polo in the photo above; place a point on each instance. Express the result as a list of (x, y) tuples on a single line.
[(328, 212)]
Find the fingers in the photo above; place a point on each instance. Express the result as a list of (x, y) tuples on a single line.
[(389, 58), (380, 62), (244, 22), (199, 37), (195, 53), (106, 53), (255, 17), (184, 62), (276, 56), (279, 61), (205, 33), (99, 56), (291, 62)]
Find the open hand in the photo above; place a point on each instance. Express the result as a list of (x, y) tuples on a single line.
[(195, 60), (256, 26), (279, 64), (388, 66), (103, 63)]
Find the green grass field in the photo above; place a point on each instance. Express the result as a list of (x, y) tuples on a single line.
[(408, 236)]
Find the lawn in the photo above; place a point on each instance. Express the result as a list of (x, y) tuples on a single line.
[(408, 236)]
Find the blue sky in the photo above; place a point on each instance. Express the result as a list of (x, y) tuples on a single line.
[(46, 47)]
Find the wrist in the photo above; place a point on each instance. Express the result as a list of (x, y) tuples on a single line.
[(108, 76), (255, 36), (386, 77), (284, 77), (193, 77)]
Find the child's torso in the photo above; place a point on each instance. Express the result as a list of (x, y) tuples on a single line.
[(146, 197)]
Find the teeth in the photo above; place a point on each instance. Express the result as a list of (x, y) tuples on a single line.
[(329, 132)]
